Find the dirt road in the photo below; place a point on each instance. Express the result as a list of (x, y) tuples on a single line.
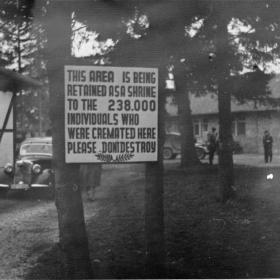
[(26, 229), (29, 227)]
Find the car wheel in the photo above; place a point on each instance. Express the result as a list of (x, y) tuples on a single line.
[(167, 153), (200, 153)]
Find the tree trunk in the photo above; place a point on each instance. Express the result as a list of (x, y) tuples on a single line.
[(226, 174), (188, 153), (72, 233)]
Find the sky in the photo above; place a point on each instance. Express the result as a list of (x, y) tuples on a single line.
[(86, 43)]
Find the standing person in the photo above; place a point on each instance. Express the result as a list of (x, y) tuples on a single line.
[(267, 146), (90, 178), (212, 144)]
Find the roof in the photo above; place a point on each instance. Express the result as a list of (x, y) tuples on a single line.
[(208, 104), (13, 81)]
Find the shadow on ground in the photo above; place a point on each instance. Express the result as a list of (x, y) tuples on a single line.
[(204, 238)]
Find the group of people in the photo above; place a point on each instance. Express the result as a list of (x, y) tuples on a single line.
[(213, 145), (91, 174)]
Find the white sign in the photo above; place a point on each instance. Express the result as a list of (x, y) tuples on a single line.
[(111, 114)]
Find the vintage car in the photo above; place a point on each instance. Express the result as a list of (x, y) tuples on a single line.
[(172, 146), (32, 168)]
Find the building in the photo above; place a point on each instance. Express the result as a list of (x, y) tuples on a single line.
[(10, 84), (249, 121)]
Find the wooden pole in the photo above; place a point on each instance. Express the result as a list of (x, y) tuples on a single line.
[(154, 206)]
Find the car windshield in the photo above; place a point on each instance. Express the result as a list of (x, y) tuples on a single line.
[(36, 148)]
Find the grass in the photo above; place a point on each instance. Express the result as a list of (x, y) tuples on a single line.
[(204, 238)]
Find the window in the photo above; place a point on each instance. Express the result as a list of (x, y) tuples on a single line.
[(200, 127), (196, 128), (204, 125), (239, 126)]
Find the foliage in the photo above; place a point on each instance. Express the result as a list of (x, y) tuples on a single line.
[(251, 44), (22, 44), (16, 23)]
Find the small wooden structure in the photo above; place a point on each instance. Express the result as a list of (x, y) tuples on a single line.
[(10, 84)]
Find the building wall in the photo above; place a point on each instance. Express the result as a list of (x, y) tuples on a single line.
[(271, 122), (249, 133), (251, 140), (256, 124)]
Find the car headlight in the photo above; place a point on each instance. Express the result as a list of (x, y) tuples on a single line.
[(36, 168), (8, 168)]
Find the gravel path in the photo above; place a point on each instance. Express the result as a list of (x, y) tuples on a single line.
[(24, 234)]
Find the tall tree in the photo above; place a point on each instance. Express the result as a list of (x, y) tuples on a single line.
[(188, 153), (21, 44), (220, 40), (215, 62), (188, 11), (15, 27), (72, 232)]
